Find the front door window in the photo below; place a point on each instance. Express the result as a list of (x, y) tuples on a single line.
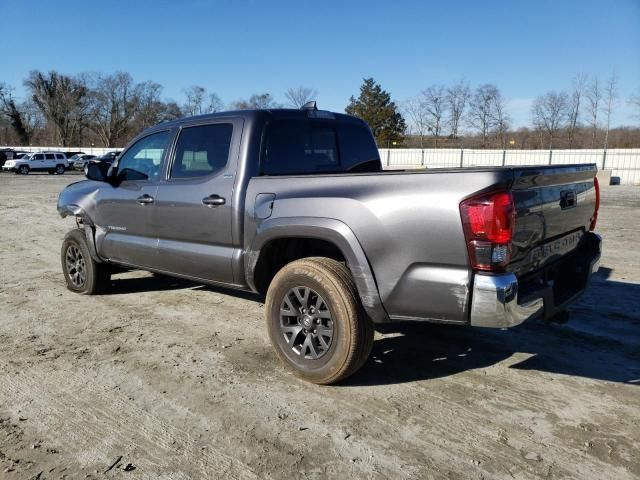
[(144, 159)]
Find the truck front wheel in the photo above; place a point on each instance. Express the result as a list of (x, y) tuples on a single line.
[(81, 272), (316, 322)]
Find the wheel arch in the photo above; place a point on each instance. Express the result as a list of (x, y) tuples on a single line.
[(85, 223), (329, 235)]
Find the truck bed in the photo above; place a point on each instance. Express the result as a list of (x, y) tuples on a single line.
[(409, 224)]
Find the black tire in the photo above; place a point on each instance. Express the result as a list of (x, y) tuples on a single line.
[(24, 170), (82, 273), (60, 169), (351, 330)]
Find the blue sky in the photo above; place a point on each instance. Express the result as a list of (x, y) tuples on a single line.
[(240, 47)]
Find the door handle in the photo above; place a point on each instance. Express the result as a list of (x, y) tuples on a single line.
[(145, 199), (213, 201)]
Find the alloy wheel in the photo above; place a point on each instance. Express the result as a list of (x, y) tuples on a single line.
[(306, 323), (76, 266)]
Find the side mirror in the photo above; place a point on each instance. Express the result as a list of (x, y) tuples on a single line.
[(98, 171)]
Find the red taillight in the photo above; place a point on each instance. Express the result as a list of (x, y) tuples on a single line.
[(594, 219), (488, 223)]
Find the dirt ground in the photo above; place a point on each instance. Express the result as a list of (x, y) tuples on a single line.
[(166, 379)]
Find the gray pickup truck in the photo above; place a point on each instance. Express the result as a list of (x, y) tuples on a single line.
[(294, 205)]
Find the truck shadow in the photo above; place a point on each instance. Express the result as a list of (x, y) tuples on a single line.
[(152, 283), (159, 283), (601, 342)]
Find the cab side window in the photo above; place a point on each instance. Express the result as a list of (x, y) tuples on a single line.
[(38, 156), (144, 159), (202, 150)]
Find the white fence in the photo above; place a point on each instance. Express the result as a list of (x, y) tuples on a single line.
[(89, 150), (623, 163)]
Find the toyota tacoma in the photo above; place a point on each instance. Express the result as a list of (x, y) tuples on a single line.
[(295, 205)]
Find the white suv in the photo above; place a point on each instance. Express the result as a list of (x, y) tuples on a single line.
[(51, 162)]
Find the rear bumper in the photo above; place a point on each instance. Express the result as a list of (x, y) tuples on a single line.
[(499, 301)]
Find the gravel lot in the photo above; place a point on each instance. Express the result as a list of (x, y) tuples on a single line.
[(163, 378)]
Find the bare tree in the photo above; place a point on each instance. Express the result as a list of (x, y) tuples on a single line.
[(457, 98), (198, 102), (112, 107), (481, 110), (550, 112), (62, 100), (594, 100), (414, 108), (215, 104), (195, 98), (150, 106), (256, 101), (435, 106), (501, 119), (634, 101), (611, 97), (579, 88), (297, 97), (23, 117)]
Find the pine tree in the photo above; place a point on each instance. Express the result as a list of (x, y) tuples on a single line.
[(375, 107)]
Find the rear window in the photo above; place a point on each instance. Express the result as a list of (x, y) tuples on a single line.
[(202, 150), (295, 147), (50, 156)]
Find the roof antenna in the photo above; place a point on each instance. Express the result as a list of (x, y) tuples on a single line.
[(309, 106)]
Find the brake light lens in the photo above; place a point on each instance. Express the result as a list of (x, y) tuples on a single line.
[(594, 219), (488, 222)]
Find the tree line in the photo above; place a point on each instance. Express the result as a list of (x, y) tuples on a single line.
[(109, 109), (478, 117), (106, 110)]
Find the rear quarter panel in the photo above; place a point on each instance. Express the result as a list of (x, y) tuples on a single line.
[(408, 225)]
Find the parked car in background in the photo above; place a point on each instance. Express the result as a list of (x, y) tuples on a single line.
[(5, 154), (295, 205), (10, 154), (71, 154), (108, 157), (79, 160), (50, 162)]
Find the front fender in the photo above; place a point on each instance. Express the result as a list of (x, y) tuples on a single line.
[(330, 230), (79, 200)]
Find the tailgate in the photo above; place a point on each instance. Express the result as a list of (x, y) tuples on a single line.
[(554, 207)]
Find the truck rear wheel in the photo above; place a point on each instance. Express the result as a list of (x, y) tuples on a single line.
[(316, 322), (81, 272)]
